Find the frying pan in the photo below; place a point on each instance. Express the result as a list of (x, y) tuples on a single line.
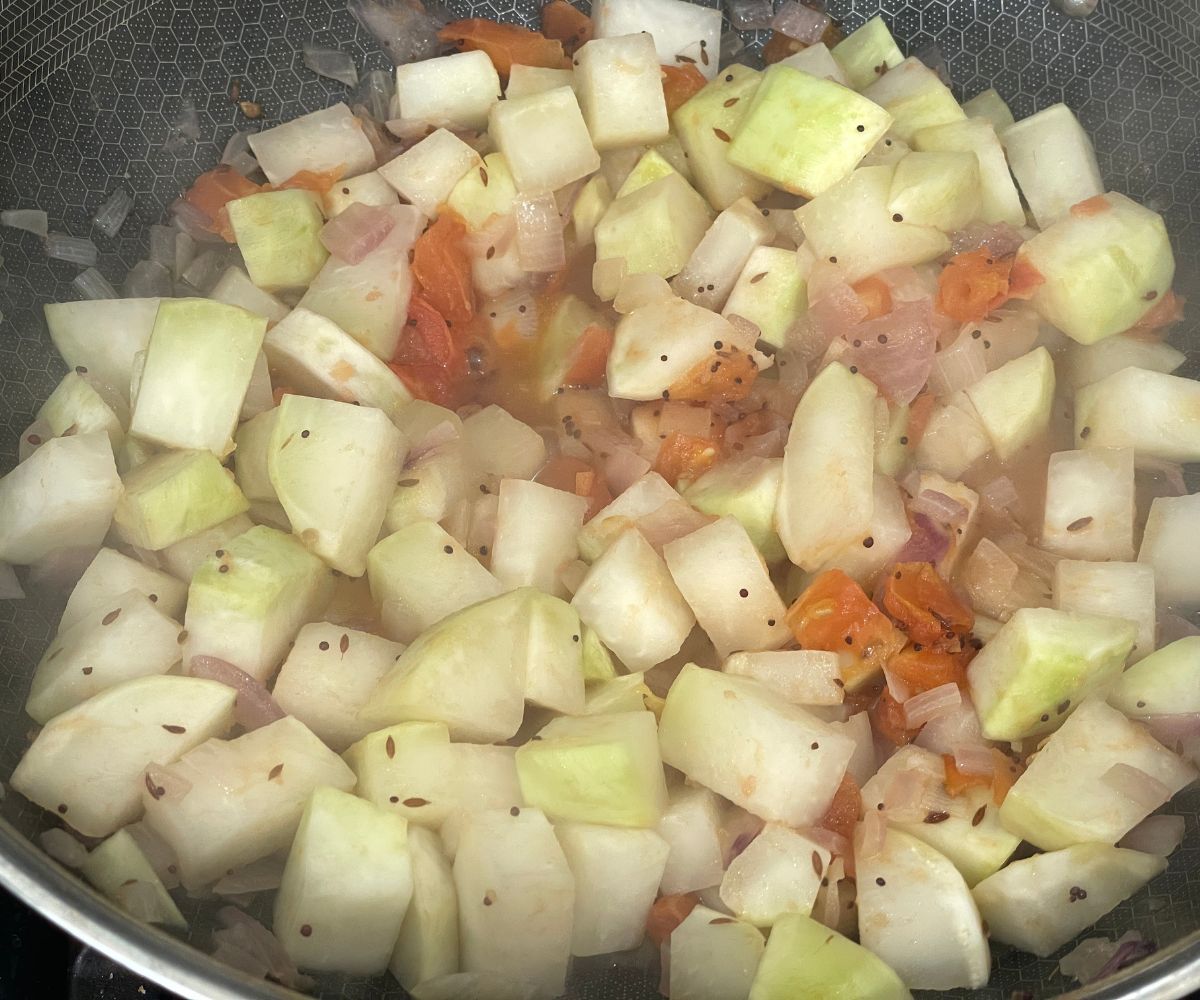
[(91, 93)]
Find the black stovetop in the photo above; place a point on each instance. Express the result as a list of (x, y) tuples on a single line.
[(37, 960)]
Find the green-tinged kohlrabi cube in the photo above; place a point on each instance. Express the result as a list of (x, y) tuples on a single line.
[(804, 134), (911, 901), (278, 234), (61, 496), (1040, 665), (545, 140), (1083, 364), (716, 111), (316, 357), (1066, 795), (735, 736), (990, 107), (103, 336), (526, 80), (827, 487), (1013, 402), (86, 764), (779, 873), (851, 224), (464, 671), (485, 192), (936, 189), (598, 666), (714, 266), (123, 638), (252, 446), (1052, 158), (867, 53), (498, 444), (747, 489), (549, 639), (1155, 414), (1167, 682), (117, 866), (713, 956), (593, 201), (998, 200), (648, 169), (915, 98), (110, 575), (198, 367), (246, 604), (174, 496), (561, 331), (1103, 268), (364, 189), (889, 530), (334, 467), (516, 900), (230, 802), (771, 292), (619, 83), (599, 769), (77, 407), (805, 960), (346, 886), (656, 228), (1038, 904), (970, 835), (428, 943), (433, 485), (182, 559), (1112, 589)]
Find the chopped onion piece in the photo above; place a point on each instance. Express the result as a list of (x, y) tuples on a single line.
[(10, 586), (192, 221), (111, 215), (1000, 238), (938, 507), (639, 290), (683, 418), (732, 46), (237, 154), (957, 729), (162, 245), (540, 245), (406, 30), (607, 276), (974, 759), (927, 543), (375, 90), (1097, 958), (1000, 493), (1155, 835), (32, 220), (331, 63), (834, 843), (1180, 733), (905, 795), (255, 949), (91, 284), (254, 706), (750, 15), (960, 365), (72, 249), (800, 22), (622, 467), (205, 271), (356, 231), (516, 307), (263, 875), (63, 848), (1137, 786), (166, 784), (931, 704), (148, 279), (872, 832), (898, 689)]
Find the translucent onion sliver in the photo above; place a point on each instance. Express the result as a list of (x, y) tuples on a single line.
[(1137, 786), (931, 704)]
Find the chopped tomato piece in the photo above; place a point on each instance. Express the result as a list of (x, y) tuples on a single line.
[(1023, 279), (505, 44), (958, 781), (212, 191), (1095, 205), (317, 181), (924, 669), (589, 356), (680, 84), (875, 294), (779, 46), (726, 378), (1004, 777), (685, 457), (835, 614), (925, 607), (890, 722), (427, 359), (667, 913), (574, 475), (845, 810), (1167, 312), (441, 265), (280, 391), (972, 285), (919, 412), (566, 23)]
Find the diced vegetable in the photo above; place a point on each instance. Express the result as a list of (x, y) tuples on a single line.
[(818, 61), (330, 141), (989, 106), (771, 292), (103, 337), (800, 676), (524, 81), (888, 532), (118, 867), (1169, 545), (779, 873), (112, 574), (1162, 683), (76, 407), (454, 92), (1090, 504), (498, 444), (1122, 590), (1013, 402), (936, 189), (721, 255), (1052, 158), (428, 943), (915, 98), (691, 826), (1155, 414), (748, 490), (683, 33), (182, 559), (1084, 364), (654, 229), (620, 91), (536, 529), (365, 189), (545, 140), (713, 956), (867, 53), (426, 173), (998, 200), (278, 235)]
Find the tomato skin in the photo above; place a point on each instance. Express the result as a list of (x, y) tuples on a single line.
[(505, 44), (680, 84), (875, 294), (574, 475), (919, 412), (667, 913), (925, 669), (925, 608), (725, 378), (212, 191), (566, 23), (686, 457), (972, 284), (889, 721), (428, 359), (443, 269), (845, 810), (589, 357)]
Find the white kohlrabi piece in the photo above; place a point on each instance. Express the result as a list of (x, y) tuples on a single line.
[(867, 53), (644, 496), (691, 825), (1066, 795), (536, 531), (738, 738), (110, 575), (617, 873), (346, 886), (725, 582), (1113, 590), (485, 192), (429, 487), (1083, 364), (916, 913), (1163, 683), (678, 29), (235, 288), (102, 337), (454, 92), (182, 559), (619, 84), (998, 198), (334, 467), (1013, 402), (799, 676), (990, 107), (1155, 414), (1171, 546), (713, 957), (826, 496), (630, 599), (1090, 504), (198, 366), (526, 80), (365, 189), (248, 600), (1040, 903), (318, 358), (721, 255), (278, 233), (117, 867), (86, 764), (428, 943), (498, 444), (324, 141), (76, 406), (545, 140), (549, 637), (888, 531), (780, 872), (228, 803), (1054, 162), (328, 676), (516, 899), (124, 638), (62, 496), (771, 292), (426, 173), (260, 394), (954, 439), (816, 60), (916, 98), (420, 574)]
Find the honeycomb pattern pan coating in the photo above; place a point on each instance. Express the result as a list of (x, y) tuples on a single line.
[(90, 94)]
